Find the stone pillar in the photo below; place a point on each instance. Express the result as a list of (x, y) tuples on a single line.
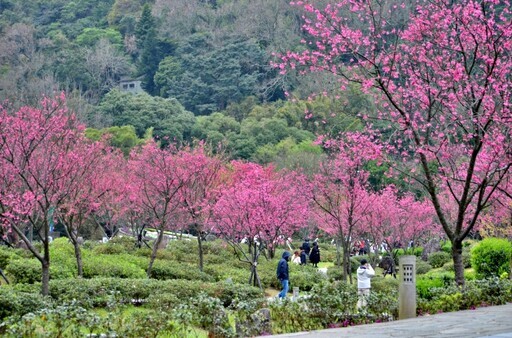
[(407, 289), (295, 293)]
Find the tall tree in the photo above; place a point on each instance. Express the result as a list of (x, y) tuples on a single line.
[(146, 39), (201, 190), (399, 219), (157, 178), (37, 162), (88, 180), (261, 206), (341, 191), (442, 78)]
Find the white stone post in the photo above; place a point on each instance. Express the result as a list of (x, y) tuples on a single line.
[(407, 289)]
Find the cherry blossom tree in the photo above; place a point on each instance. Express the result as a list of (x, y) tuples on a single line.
[(112, 205), (341, 192), (88, 179), (37, 163), (201, 189), (260, 206), (156, 178), (443, 81), (400, 218)]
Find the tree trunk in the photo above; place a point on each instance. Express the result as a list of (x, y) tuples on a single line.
[(73, 237), (154, 251), (45, 262), (458, 264), (78, 256), (254, 279), (45, 279), (201, 254), (338, 253), (346, 261)]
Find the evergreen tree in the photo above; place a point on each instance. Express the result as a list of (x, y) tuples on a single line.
[(149, 57)]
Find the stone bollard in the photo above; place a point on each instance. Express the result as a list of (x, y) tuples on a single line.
[(295, 293), (407, 289)]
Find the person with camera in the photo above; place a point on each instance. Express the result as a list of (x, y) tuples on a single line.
[(364, 275)]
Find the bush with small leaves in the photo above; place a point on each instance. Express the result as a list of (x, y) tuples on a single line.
[(111, 266), (422, 267), (17, 303), (438, 259), (163, 269), (24, 271), (491, 257), (6, 255)]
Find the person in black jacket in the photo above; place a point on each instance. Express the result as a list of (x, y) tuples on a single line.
[(303, 257), (314, 257), (282, 273), (306, 247)]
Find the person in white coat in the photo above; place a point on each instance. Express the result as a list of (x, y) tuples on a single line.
[(364, 275)]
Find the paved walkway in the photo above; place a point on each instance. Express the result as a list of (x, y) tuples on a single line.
[(492, 321)]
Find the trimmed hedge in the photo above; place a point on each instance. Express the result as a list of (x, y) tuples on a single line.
[(171, 270), (492, 257), (438, 259), (98, 292), (17, 303), (113, 266)]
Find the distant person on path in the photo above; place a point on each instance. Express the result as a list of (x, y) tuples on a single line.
[(364, 275), (303, 257), (296, 258), (314, 257), (306, 247), (282, 273)]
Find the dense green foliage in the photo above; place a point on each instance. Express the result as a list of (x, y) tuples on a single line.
[(180, 298), (438, 259), (492, 257), (193, 58)]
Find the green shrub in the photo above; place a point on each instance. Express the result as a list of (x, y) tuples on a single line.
[(417, 251), (97, 292), (335, 273), (109, 248), (6, 254), (466, 257), (172, 270), (425, 285), (289, 316), (469, 274), (438, 259), (141, 262), (16, 303), (328, 252), (446, 246), (422, 267), (450, 297), (27, 271), (385, 285), (449, 266), (304, 277), (491, 257), (494, 291), (331, 302), (110, 266)]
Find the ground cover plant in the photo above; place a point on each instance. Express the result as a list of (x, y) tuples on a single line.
[(180, 300)]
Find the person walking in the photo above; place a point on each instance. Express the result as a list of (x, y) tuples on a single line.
[(303, 257), (282, 273), (314, 256), (364, 275)]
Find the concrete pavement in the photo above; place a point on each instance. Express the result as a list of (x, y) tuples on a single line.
[(492, 321)]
